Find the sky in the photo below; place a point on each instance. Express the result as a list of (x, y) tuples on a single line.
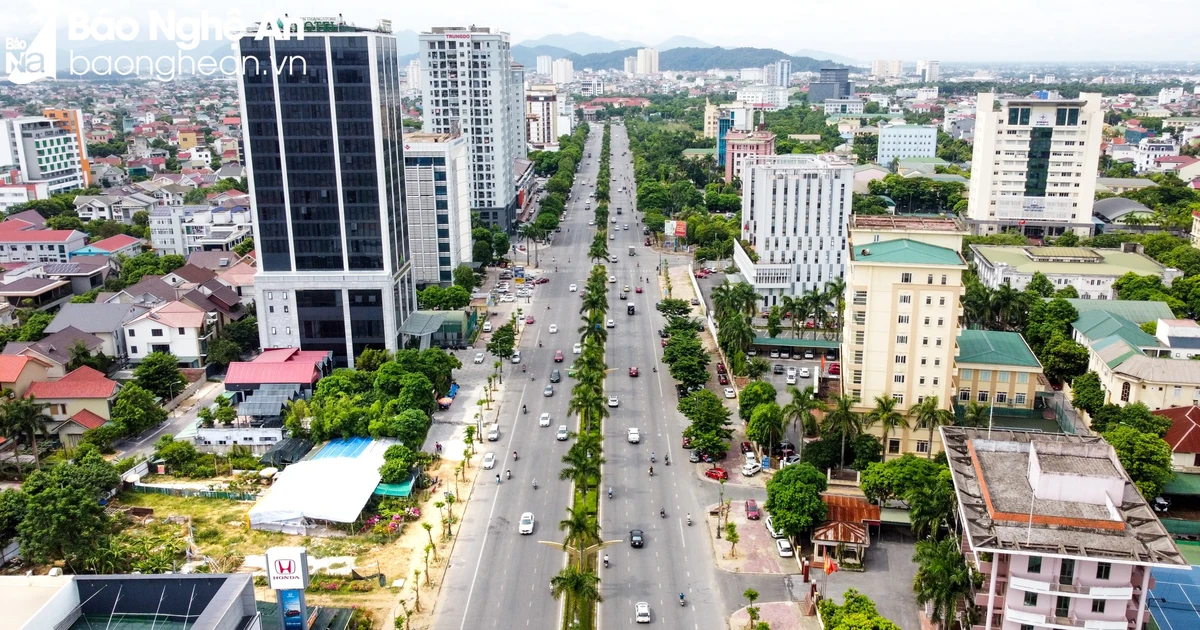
[(969, 30)]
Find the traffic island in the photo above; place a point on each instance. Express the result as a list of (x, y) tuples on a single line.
[(754, 551), (779, 615)]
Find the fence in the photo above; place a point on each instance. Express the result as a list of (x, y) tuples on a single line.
[(1181, 528), (195, 493)]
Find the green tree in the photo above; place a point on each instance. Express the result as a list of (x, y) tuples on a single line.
[(464, 277), (135, 410), (885, 415), (1063, 359), (503, 341), (766, 425), (179, 455), (753, 395), (928, 414), (942, 577), (844, 421), (244, 247), (63, 519), (1087, 393), (224, 351), (159, 374), (25, 417), (794, 498), (1145, 456), (12, 512), (857, 612), (581, 588), (1040, 285)]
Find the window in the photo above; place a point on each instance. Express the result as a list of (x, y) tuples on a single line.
[(1022, 377), (285, 308), (930, 280), (922, 446), (924, 341), (901, 339), (1062, 606), (1098, 605), (1030, 598), (906, 299), (941, 301), (1002, 377), (1125, 392), (982, 397), (903, 319), (921, 381), (928, 300), (131, 332), (858, 356), (935, 381), (1001, 397), (1103, 570), (943, 280), (893, 445), (857, 380), (133, 350), (985, 375), (899, 398), (901, 358), (939, 342), (964, 394), (906, 278), (898, 378), (157, 332), (926, 321), (1019, 399), (860, 298), (941, 321), (967, 374), (1035, 564)]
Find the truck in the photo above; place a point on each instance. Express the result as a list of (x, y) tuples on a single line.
[(631, 251)]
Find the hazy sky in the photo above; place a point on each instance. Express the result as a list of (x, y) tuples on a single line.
[(1013, 30)]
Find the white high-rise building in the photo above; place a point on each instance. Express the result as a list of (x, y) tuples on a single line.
[(562, 71), (768, 97), (1034, 165), (879, 68), (631, 66), (541, 117), (895, 68), (473, 88), (930, 71), (412, 75), (44, 152), (566, 115), (437, 180), (794, 213), (326, 167), (905, 141), (647, 61), (544, 64), (783, 72)]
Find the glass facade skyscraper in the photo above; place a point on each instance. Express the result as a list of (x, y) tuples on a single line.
[(321, 115)]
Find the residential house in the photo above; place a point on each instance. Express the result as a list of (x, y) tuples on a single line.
[(1183, 437), (106, 321), (1118, 185), (56, 350), (1135, 366), (240, 278), (1056, 529), (150, 290), (121, 244), (867, 173), (41, 294), (18, 372), (21, 241), (77, 402), (175, 327)]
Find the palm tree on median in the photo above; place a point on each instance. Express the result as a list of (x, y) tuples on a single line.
[(580, 468), (582, 588), (582, 529), (885, 414)]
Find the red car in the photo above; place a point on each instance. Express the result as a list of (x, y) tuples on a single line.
[(747, 448), (835, 369), (722, 379), (716, 473), (633, 371), (541, 280), (558, 356), (529, 319), (638, 290), (720, 368), (752, 512), (687, 442)]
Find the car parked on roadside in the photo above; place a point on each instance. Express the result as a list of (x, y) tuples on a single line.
[(749, 470), (785, 548), (716, 473), (752, 512), (479, 356)]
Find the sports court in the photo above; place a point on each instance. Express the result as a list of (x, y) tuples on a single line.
[(1175, 599), (344, 447)]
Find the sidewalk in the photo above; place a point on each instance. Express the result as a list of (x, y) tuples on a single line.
[(780, 615)]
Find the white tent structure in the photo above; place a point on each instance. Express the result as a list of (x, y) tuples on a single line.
[(320, 490)]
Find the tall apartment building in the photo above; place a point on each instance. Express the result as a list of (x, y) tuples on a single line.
[(326, 175), (544, 64), (1034, 165), (437, 178), (711, 114), (903, 304), (631, 66), (895, 68), (930, 71), (412, 75), (767, 97), (541, 117), (794, 212), (647, 61), (562, 71), (741, 145), (72, 121), (906, 141), (592, 87), (44, 151), (1059, 532), (879, 68), (472, 88), (735, 116), (832, 83)]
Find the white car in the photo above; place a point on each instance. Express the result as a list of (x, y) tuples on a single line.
[(526, 526), (493, 434), (489, 461), (626, 226), (804, 373), (593, 222), (516, 358), (749, 470), (571, 288), (791, 379), (479, 356), (635, 436), (612, 237), (577, 348), (641, 612), (563, 434), (611, 323), (613, 402), (612, 279), (729, 393), (487, 326), (553, 328), (544, 421), (785, 548), (770, 523), (508, 298)]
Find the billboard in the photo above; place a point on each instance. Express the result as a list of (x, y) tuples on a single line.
[(287, 568), (295, 613)]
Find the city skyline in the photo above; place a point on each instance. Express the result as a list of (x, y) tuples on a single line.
[(1059, 34)]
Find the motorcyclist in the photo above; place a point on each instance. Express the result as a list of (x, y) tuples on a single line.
[(667, 459), (651, 471), (689, 518), (524, 409), (661, 511), (610, 492), (522, 368), (497, 479), (515, 458), (535, 484), (606, 560), (652, 458)]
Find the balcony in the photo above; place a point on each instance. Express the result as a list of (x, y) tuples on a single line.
[(1092, 592), (1065, 623)]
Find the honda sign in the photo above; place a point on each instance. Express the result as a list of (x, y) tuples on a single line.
[(287, 568)]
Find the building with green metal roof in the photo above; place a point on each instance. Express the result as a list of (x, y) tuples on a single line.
[(904, 251), (1134, 311), (1091, 271), (994, 347), (998, 369), (1093, 326)]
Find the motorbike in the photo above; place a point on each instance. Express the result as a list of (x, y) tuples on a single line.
[(535, 484), (651, 471), (606, 561), (681, 600), (523, 369), (662, 512), (539, 344), (508, 474), (610, 493), (667, 459), (689, 520), (524, 409), (653, 459), (515, 458)]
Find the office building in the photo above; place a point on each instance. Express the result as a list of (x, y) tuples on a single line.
[(842, 106), (647, 61), (735, 116), (766, 97), (1149, 150), (906, 141), (778, 73), (72, 121), (437, 179), (631, 65), (711, 114), (929, 71), (1091, 271), (832, 83), (1056, 529), (903, 304), (740, 145), (544, 64), (326, 175), (794, 211), (541, 117), (562, 71), (1034, 165), (879, 68), (473, 88), (44, 151), (592, 87)]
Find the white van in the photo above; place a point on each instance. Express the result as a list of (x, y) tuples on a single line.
[(493, 433)]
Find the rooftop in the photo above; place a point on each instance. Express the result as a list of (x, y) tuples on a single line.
[(82, 382), (1184, 434), (907, 223), (1102, 518), (903, 251), (1136, 312), (1107, 262), (1159, 370), (992, 347)]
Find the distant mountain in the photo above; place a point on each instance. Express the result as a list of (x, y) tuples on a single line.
[(820, 54), (682, 41), (690, 59), (527, 55), (581, 43)]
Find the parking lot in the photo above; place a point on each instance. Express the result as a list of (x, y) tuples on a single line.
[(756, 550)]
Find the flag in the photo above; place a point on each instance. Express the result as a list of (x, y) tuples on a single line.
[(830, 565)]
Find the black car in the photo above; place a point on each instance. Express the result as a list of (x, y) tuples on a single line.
[(778, 369), (680, 390), (831, 355), (555, 376), (635, 538), (663, 333), (783, 449)]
